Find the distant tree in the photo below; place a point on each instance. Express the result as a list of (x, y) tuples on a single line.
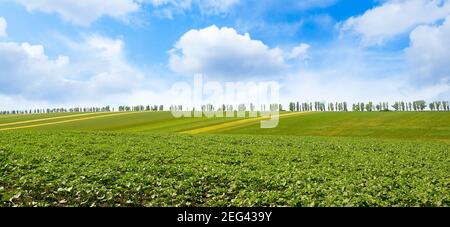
[(420, 105), (361, 106), (275, 107), (396, 106), (291, 106), (322, 107), (242, 107), (369, 106), (445, 105), (331, 107)]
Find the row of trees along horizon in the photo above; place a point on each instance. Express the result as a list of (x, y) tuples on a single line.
[(293, 107)]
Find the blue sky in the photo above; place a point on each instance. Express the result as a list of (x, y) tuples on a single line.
[(157, 34), (93, 52)]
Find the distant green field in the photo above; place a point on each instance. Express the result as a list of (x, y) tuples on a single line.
[(15, 118), (402, 125), (146, 159), (130, 122)]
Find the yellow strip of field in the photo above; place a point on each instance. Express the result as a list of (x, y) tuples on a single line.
[(237, 123), (66, 121), (45, 119)]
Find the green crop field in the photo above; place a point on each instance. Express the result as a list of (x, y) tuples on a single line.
[(151, 159), (402, 125), (128, 121)]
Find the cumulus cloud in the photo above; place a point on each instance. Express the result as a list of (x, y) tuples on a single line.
[(25, 68), (427, 57), (395, 17), (223, 53), (104, 59), (99, 71), (3, 26), (82, 12), (347, 72), (352, 74), (429, 52)]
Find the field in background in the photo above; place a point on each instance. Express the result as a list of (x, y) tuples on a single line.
[(117, 121), (401, 125), (150, 159)]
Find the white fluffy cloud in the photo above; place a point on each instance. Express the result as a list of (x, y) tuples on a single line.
[(429, 52), (25, 68), (349, 73), (224, 53), (395, 17), (3, 26), (104, 59), (428, 24), (100, 71), (82, 12)]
